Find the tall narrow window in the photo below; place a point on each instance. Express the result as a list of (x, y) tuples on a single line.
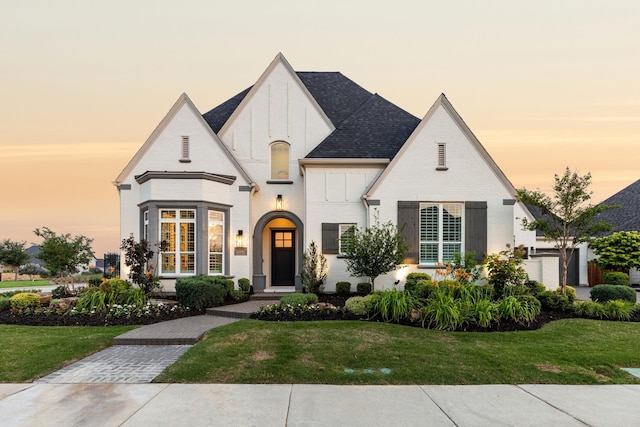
[(216, 242), (440, 231), (184, 149), (346, 237), (442, 156), (145, 232), (280, 161), (177, 229)]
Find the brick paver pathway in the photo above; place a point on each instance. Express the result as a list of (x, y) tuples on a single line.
[(119, 364)]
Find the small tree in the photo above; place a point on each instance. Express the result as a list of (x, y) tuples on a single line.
[(618, 250), (138, 256), (565, 219), (14, 255), (314, 269), (374, 251), (505, 269), (63, 253)]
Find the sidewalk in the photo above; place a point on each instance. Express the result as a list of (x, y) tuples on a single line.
[(317, 405)]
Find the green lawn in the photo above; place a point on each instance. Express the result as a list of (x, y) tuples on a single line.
[(572, 351), (31, 352), (26, 284)]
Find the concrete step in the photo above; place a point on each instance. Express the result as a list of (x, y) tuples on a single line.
[(242, 310)]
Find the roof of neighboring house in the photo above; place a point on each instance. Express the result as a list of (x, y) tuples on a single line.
[(627, 216), (367, 125)]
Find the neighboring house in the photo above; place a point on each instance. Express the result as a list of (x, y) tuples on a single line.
[(626, 217), (244, 188)]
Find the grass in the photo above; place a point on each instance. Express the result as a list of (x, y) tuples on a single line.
[(571, 351), (31, 352), (26, 284)]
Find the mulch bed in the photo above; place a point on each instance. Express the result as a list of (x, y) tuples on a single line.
[(98, 319)]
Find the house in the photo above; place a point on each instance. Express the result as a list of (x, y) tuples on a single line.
[(244, 188), (626, 217)]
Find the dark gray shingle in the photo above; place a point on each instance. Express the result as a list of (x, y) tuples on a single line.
[(626, 217)]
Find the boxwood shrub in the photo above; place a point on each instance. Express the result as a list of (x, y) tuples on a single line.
[(200, 292), (552, 300), (604, 293), (363, 288), (343, 288), (615, 278), (244, 284), (5, 303), (413, 279)]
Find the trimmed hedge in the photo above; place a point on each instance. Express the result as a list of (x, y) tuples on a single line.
[(244, 284), (604, 293), (343, 288), (201, 292), (363, 288), (299, 299), (413, 279), (615, 278)]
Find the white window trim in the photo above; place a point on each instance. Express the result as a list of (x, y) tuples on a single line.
[(224, 243), (177, 253), (440, 241), (288, 163)]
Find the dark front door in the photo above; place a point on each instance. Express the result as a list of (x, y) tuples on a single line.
[(283, 257)]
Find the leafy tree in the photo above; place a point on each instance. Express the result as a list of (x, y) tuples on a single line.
[(138, 256), (374, 251), (565, 219), (618, 250), (13, 254), (64, 253), (505, 269), (314, 269)]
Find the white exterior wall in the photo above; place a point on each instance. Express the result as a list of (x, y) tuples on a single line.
[(334, 195), (206, 154), (413, 177)]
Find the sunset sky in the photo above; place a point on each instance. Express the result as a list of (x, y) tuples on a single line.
[(543, 85)]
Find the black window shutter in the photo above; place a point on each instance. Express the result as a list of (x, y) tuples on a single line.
[(475, 229), (330, 238), (409, 226)]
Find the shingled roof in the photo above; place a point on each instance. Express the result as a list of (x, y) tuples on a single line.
[(367, 125), (627, 216)]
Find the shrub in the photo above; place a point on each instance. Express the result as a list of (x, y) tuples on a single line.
[(237, 295), (343, 288), (413, 279), (299, 299), (358, 306), (228, 283), (552, 300), (5, 303), (244, 284), (571, 293), (200, 292), (424, 289), (59, 292), (535, 287), (615, 278), (604, 293), (590, 309), (618, 309), (363, 288), (394, 305), (25, 300)]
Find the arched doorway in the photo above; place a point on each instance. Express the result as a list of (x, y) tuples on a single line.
[(277, 252)]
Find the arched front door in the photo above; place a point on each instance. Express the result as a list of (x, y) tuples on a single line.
[(277, 251)]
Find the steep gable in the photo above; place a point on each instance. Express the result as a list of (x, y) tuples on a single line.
[(149, 154)]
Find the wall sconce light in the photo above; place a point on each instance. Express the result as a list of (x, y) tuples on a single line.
[(279, 202), (239, 239)]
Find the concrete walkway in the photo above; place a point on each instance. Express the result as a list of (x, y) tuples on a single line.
[(317, 405)]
